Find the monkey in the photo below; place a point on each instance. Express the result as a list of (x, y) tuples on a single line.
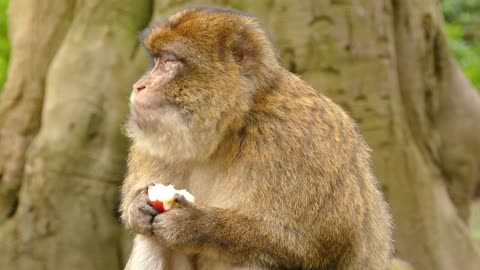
[(281, 174)]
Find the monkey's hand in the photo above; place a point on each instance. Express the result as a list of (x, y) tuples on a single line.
[(236, 237), (182, 228), (139, 214)]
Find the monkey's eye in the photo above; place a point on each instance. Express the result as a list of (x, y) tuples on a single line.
[(168, 57)]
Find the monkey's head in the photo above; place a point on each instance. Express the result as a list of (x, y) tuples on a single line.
[(207, 64)]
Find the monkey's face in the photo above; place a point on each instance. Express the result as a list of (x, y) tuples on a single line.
[(148, 101), (183, 107)]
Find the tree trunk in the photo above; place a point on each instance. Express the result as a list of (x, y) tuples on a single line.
[(73, 62)]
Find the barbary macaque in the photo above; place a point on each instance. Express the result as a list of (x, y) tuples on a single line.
[(280, 173)]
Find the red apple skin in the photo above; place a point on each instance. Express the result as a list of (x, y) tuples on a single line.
[(158, 205)]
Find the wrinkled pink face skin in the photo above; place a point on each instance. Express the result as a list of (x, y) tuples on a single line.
[(147, 100)]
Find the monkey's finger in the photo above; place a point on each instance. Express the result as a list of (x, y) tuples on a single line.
[(148, 209), (182, 201), (144, 189), (149, 184)]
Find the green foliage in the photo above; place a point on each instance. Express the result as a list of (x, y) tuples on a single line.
[(463, 32), (464, 12), (4, 45)]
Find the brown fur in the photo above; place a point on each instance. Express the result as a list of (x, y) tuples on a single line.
[(280, 173)]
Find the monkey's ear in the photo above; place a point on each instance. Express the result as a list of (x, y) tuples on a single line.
[(244, 50), (238, 55)]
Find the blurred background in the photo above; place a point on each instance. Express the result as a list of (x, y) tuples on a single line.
[(407, 70)]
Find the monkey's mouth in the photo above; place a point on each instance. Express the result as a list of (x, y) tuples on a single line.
[(150, 106), (152, 112), (148, 101)]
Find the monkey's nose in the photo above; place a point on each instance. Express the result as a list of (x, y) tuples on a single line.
[(140, 87)]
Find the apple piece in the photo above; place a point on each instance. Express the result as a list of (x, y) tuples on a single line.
[(162, 197), (188, 196), (158, 205)]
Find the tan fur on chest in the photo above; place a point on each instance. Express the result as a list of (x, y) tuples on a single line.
[(212, 186)]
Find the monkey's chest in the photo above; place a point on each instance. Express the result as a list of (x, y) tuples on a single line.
[(213, 188)]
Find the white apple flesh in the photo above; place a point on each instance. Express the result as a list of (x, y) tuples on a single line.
[(162, 197)]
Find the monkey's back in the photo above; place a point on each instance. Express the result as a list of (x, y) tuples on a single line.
[(310, 153)]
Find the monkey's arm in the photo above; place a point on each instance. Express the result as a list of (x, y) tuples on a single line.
[(232, 236)]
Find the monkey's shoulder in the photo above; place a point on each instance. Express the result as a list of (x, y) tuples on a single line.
[(295, 109)]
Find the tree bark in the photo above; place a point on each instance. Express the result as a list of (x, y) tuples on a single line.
[(72, 64), (386, 62)]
